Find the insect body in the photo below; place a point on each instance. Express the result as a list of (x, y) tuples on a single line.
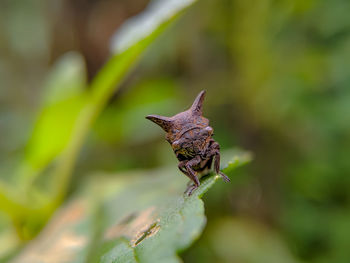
[(190, 136)]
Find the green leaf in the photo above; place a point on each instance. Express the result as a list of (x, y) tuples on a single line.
[(133, 217), (64, 97)]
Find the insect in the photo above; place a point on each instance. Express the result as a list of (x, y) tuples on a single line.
[(190, 136)]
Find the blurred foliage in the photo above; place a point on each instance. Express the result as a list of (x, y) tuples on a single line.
[(276, 74)]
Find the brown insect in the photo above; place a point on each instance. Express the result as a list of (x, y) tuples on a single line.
[(190, 137)]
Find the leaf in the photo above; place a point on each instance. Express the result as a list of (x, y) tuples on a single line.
[(8, 238), (64, 97), (141, 217), (147, 23)]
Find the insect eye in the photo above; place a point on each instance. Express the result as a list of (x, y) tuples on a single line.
[(207, 131), (176, 144)]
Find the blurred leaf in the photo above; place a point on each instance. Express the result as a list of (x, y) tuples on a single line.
[(67, 79), (63, 99), (133, 217), (8, 236), (149, 21)]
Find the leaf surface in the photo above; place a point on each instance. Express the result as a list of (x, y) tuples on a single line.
[(134, 217)]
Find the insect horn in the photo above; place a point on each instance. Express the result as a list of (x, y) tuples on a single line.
[(164, 122), (196, 107)]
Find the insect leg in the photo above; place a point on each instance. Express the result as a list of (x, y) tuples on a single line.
[(215, 151), (208, 164), (182, 167), (186, 168)]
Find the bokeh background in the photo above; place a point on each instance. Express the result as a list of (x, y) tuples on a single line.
[(277, 75)]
